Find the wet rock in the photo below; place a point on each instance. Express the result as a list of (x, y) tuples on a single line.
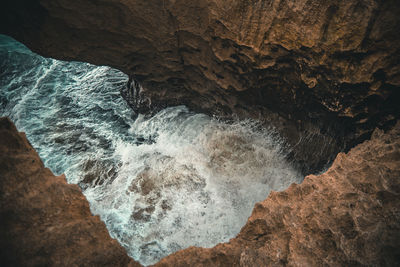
[(97, 172)]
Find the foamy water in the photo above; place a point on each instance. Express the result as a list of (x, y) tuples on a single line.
[(161, 184)]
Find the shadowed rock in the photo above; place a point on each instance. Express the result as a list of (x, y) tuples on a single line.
[(348, 216), (43, 220), (324, 73)]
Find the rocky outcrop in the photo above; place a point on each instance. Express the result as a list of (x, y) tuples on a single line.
[(43, 220), (348, 216), (324, 73)]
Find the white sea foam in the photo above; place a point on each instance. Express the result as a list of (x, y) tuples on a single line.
[(161, 184), (195, 185)]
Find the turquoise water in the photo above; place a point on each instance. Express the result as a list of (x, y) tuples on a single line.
[(160, 184), (66, 108)]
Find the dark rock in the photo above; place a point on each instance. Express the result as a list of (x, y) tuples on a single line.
[(324, 73), (328, 220), (43, 220), (348, 216)]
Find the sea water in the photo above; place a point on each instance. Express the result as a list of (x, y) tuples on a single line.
[(160, 183)]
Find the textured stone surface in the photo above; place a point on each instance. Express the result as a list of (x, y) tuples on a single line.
[(43, 220), (348, 216), (325, 73)]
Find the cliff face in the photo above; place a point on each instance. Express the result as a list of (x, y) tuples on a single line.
[(45, 221), (348, 216), (325, 73)]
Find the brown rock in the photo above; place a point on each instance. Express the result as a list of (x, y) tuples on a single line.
[(325, 73), (348, 216), (43, 220)]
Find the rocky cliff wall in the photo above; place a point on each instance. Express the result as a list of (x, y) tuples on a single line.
[(348, 216), (325, 73), (43, 220)]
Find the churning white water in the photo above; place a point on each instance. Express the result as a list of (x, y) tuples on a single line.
[(160, 184)]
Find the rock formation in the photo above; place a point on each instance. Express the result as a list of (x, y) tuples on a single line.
[(348, 216), (43, 220), (325, 73)]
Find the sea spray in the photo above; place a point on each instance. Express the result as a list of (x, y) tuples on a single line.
[(160, 184)]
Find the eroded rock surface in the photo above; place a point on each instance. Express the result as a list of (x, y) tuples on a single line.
[(348, 216), (325, 73), (43, 220)]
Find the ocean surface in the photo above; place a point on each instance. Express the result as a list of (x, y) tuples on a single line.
[(160, 183)]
